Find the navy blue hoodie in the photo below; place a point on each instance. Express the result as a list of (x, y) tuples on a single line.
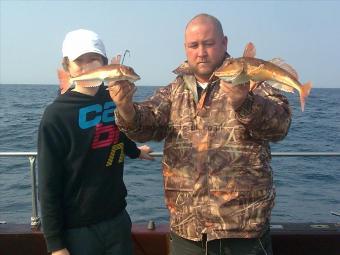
[(80, 164)]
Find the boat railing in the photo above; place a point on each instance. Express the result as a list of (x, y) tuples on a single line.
[(35, 219)]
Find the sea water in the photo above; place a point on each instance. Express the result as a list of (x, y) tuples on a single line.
[(308, 188)]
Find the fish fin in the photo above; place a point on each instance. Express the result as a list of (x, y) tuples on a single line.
[(305, 90), (64, 80), (281, 63), (280, 86), (249, 50), (89, 83), (116, 59), (254, 84)]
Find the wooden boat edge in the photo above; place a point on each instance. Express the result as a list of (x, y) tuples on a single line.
[(287, 238)]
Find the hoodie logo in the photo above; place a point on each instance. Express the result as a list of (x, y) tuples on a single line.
[(105, 136), (92, 115)]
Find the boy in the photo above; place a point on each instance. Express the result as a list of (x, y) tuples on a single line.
[(80, 160)]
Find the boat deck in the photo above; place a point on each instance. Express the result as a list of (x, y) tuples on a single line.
[(287, 239)]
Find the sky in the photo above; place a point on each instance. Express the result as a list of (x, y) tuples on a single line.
[(306, 34)]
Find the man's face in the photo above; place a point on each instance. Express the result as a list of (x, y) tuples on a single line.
[(205, 48)]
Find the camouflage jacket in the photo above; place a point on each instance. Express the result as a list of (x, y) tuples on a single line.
[(216, 164)]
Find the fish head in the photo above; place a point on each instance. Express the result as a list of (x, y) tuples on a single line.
[(229, 70), (183, 69), (129, 74)]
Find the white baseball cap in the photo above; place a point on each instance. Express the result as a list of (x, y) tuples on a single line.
[(81, 41)]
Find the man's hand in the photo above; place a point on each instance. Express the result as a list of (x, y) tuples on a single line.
[(236, 93), (145, 152), (61, 252), (121, 93)]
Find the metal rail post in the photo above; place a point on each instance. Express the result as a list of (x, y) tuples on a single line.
[(35, 220)]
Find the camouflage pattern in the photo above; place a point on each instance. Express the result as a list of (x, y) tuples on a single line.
[(216, 164)]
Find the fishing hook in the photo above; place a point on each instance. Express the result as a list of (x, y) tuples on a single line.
[(126, 51)]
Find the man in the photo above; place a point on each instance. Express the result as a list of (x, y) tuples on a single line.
[(216, 165)]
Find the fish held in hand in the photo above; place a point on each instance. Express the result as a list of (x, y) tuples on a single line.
[(95, 77), (275, 72)]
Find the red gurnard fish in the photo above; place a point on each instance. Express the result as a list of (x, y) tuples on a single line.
[(95, 77), (275, 72)]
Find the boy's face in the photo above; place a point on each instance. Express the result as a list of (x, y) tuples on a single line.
[(84, 63)]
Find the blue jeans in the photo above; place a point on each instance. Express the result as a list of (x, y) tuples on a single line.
[(111, 237)]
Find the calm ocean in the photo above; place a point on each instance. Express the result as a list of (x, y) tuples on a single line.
[(308, 188)]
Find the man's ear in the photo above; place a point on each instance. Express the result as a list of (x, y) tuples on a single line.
[(225, 42)]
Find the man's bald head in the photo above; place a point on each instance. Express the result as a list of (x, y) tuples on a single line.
[(206, 18)]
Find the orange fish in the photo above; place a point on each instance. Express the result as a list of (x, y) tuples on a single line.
[(95, 77), (275, 72)]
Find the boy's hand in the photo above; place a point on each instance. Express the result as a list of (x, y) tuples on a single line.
[(61, 252), (145, 152)]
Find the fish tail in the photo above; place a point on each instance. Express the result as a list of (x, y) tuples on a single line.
[(64, 80), (305, 90)]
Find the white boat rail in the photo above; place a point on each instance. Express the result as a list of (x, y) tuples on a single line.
[(35, 219)]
